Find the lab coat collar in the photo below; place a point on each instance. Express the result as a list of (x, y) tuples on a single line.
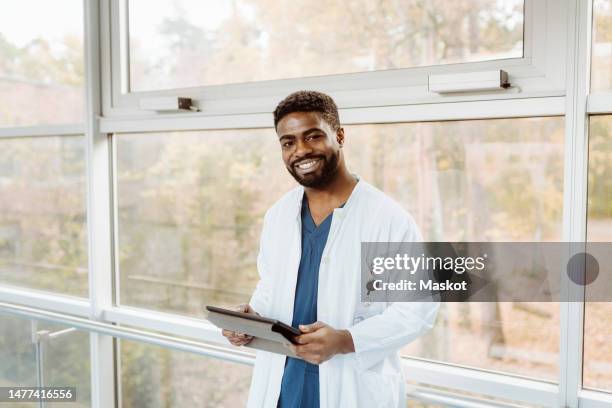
[(299, 197)]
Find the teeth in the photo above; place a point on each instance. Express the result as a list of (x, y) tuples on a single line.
[(307, 165)]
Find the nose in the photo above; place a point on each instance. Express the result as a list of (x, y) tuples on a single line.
[(302, 148)]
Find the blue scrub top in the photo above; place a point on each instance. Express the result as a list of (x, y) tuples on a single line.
[(300, 385)]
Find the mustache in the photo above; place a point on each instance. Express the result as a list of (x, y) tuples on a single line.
[(304, 159)]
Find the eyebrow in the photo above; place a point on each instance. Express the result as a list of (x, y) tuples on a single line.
[(305, 133)]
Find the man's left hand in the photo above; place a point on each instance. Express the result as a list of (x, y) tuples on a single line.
[(319, 342)]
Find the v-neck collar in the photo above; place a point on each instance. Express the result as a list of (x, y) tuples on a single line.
[(300, 192), (309, 222)]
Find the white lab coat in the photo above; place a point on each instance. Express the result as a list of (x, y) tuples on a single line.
[(372, 375)]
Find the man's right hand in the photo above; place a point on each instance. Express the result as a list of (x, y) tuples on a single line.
[(236, 338)]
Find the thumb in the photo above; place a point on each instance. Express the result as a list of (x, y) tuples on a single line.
[(244, 308), (308, 328)]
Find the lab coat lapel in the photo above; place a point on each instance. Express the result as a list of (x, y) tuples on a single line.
[(330, 281), (294, 255)]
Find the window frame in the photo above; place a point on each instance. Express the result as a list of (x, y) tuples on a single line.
[(551, 85), (536, 74)]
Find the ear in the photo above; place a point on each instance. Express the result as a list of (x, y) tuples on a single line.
[(340, 136)]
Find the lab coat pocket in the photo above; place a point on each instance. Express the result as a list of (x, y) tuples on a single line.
[(376, 389)]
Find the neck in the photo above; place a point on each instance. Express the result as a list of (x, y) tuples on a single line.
[(338, 190)]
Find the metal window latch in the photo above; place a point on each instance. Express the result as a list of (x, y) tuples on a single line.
[(168, 104)]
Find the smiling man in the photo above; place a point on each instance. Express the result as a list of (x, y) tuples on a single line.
[(309, 266)]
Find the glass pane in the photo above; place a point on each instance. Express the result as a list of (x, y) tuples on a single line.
[(601, 68), (41, 62), (43, 237), (598, 316), (18, 355), (182, 43), (154, 377), (191, 206), (64, 360), (489, 180), (190, 211)]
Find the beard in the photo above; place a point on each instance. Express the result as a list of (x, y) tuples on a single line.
[(321, 178)]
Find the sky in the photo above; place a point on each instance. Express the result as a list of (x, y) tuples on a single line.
[(147, 15), (23, 20)]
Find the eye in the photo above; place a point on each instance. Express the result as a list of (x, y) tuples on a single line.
[(287, 144), (313, 137)]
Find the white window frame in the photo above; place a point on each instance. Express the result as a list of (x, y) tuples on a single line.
[(539, 73), (553, 77)]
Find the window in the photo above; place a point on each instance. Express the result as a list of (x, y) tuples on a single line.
[(490, 180), (43, 242), (233, 59), (187, 191), (153, 376), (185, 43), (41, 63), (64, 361), (190, 212), (598, 316)]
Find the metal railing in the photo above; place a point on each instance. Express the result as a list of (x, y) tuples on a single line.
[(208, 350), (41, 339)]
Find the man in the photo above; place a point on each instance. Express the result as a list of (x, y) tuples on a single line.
[(309, 266)]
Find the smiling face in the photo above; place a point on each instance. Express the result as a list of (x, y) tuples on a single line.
[(310, 148)]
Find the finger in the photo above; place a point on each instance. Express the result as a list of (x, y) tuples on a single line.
[(241, 337), (308, 328), (242, 308), (303, 339), (305, 350), (307, 338), (235, 342), (242, 341), (296, 350), (231, 334), (305, 328)]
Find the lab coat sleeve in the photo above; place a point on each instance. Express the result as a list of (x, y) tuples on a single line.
[(260, 300), (400, 323)]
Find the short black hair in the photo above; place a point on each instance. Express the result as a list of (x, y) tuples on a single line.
[(308, 101)]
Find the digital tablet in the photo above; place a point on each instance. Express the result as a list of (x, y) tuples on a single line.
[(252, 324)]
